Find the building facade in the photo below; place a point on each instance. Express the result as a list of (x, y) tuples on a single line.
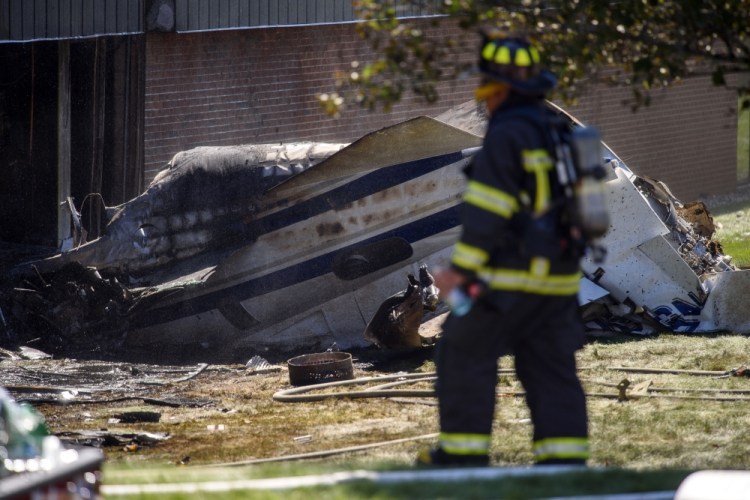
[(97, 96)]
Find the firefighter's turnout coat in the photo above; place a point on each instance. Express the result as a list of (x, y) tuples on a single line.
[(515, 243)]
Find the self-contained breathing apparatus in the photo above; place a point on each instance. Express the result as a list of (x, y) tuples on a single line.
[(580, 169), (580, 217)]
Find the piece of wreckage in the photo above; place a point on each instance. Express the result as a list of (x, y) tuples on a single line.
[(286, 247)]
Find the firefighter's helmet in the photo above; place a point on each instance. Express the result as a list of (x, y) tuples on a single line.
[(515, 62)]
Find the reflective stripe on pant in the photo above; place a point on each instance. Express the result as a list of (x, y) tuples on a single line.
[(543, 333), (561, 448), (464, 444)]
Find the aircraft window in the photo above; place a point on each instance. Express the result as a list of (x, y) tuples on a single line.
[(363, 260), (236, 314)]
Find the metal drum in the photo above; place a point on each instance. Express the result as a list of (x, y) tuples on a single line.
[(320, 368)]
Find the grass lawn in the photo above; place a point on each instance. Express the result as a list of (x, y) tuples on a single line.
[(733, 231), (743, 143), (574, 483), (645, 443), (669, 424)]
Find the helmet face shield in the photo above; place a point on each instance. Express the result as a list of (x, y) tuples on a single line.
[(516, 62)]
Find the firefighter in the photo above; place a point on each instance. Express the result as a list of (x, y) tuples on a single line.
[(513, 277)]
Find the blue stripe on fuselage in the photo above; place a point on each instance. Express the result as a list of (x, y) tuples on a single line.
[(366, 185)]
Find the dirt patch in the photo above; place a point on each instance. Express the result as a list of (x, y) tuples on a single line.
[(206, 413)]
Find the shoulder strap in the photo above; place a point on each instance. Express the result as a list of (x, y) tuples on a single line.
[(544, 123), (551, 127)]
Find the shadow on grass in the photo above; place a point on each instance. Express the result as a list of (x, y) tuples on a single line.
[(565, 484), (592, 482)]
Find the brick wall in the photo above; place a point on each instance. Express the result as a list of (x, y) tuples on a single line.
[(687, 137), (260, 85)]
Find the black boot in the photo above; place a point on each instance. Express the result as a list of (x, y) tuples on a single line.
[(562, 461), (437, 457)]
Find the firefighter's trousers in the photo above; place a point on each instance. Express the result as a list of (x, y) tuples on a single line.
[(543, 333)]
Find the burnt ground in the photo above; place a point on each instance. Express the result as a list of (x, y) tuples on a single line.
[(188, 407), (168, 414)]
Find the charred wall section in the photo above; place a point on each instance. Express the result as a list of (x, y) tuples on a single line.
[(106, 115), (28, 146), (259, 85), (107, 137)]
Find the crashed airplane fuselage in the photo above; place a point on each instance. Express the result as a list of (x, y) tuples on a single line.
[(233, 253), (299, 260)]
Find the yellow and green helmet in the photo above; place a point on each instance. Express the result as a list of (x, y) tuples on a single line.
[(516, 62)]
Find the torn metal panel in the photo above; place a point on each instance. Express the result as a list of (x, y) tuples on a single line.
[(658, 253), (405, 142), (590, 292), (199, 202)]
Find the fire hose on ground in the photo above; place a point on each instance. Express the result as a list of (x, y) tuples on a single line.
[(386, 388), (302, 394)]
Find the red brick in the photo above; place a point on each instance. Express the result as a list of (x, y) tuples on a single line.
[(261, 85)]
